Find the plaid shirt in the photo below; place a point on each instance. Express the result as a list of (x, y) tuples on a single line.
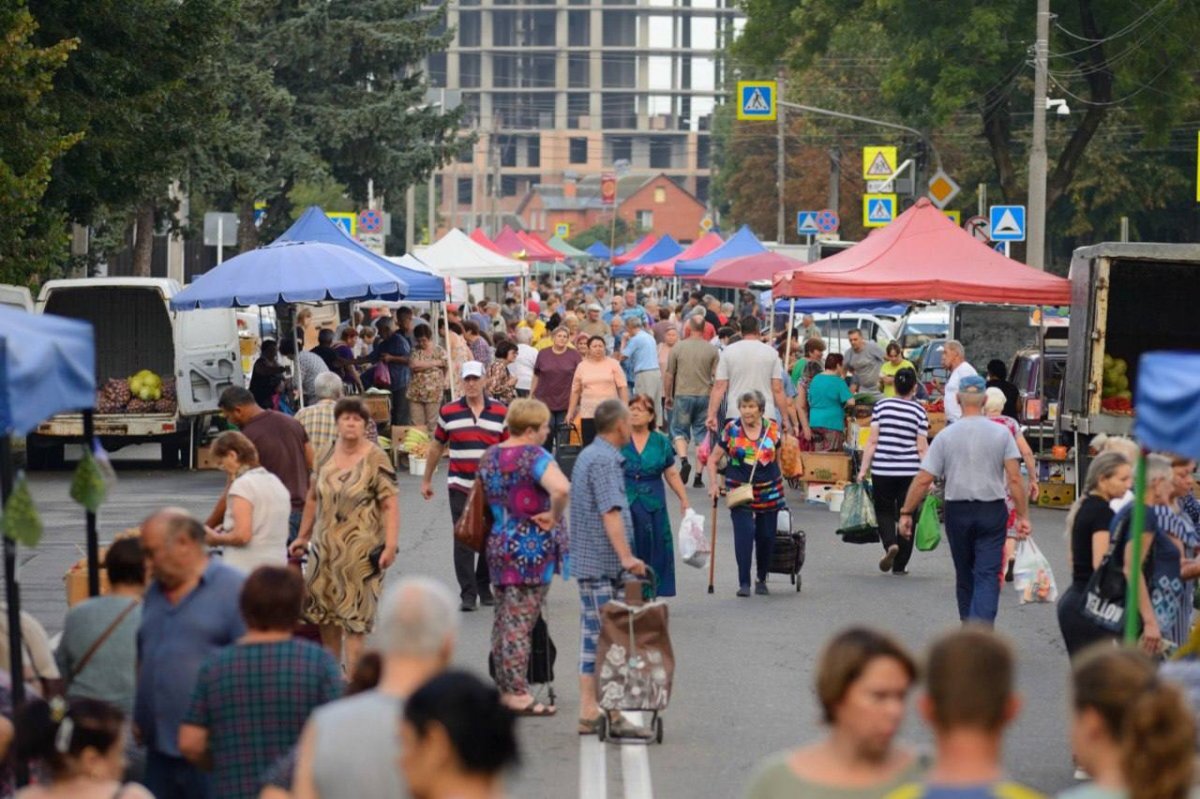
[(321, 427), (597, 486), (254, 699)]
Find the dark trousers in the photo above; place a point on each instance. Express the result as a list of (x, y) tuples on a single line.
[(976, 532), (170, 777), (557, 420), (888, 497), (401, 414), (753, 531), (470, 568), (587, 427)]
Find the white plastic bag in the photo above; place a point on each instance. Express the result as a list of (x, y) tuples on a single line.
[(1032, 576), (693, 545)]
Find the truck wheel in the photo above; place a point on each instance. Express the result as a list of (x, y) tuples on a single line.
[(45, 457)]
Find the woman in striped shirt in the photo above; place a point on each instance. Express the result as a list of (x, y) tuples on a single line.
[(899, 438)]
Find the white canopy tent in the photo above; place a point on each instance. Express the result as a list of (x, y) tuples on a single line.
[(456, 287), (456, 255)]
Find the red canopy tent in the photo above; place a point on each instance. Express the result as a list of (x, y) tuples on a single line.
[(923, 256), (666, 268), (637, 250), (512, 245), (479, 237), (538, 250), (740, 272)]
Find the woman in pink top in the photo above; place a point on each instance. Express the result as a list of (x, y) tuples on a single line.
[(994, 407), (597, 378)]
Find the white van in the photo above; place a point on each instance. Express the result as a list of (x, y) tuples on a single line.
[(135, 329)]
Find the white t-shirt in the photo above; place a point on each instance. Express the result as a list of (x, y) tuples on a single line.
[(272, 505), (953, 411), (749, 366), (522, 367)]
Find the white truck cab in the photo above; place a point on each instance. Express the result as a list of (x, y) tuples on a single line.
[(135, 329)]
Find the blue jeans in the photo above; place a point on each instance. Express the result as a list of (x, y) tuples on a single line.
[(688, 413), (976, 533), (294, 519), (557, 419), (170, 777), (753, 530)]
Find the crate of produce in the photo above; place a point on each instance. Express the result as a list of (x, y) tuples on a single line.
[(937, 422), (826, 467), (1056, 495), (205, 458), (379, 406)]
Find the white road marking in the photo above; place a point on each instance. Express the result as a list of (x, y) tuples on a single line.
[(593, 777), (635, 763)]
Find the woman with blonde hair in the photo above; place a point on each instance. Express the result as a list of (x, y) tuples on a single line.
[(1131, 730), (993, 407)]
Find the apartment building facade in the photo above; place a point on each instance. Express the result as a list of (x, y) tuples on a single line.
[(563, 90)]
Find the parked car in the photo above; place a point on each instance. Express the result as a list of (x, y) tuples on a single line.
[(835, 329), (920, 327), (1038, 375)]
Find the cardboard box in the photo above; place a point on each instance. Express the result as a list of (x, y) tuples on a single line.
[(76, 581), (937, 422), (825, 467), (1056, 495), (380, 406), (205, 459)]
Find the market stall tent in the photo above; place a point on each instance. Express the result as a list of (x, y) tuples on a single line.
[(664, 248), (537, 249), (632, 253), (740, 272), (508, 243), (598, 249), (561, 245), (924, 257), (457, 255), (314, 225), (700, 247), (743, 242), (479, 237), (454, 289)]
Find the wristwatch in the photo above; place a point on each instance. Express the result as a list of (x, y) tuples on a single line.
[(906, 513)]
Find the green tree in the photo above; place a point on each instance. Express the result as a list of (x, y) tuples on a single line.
[(33, 238)]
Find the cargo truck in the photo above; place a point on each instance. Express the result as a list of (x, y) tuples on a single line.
[(135, 329), (1126, 299)]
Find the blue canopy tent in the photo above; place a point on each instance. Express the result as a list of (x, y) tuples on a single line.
[(664, 248), (47, 366), (741, 243), (598, 249), (314, 225)]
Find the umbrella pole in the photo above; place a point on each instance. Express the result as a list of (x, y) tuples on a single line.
[(449, 355), (1137, 525), (787, 351), (12, 598), (93, 542)]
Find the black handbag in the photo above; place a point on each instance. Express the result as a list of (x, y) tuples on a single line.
[(1104, 597), (568, 443), (542, 656)]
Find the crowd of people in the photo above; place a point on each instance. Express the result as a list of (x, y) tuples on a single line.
[(578, 416)]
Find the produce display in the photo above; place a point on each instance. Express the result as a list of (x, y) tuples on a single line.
[(1115, 396), (416, 442), (936, 406), (144, 392)]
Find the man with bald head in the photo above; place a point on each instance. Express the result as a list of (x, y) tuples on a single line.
[(189, 611)]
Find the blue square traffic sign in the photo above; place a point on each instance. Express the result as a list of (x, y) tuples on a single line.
[(1007, 222)]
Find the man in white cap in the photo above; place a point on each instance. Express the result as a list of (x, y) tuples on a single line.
[(594, 325), (467, 426)]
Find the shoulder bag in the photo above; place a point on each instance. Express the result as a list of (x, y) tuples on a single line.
[(744, 494), (475, 523), (99, 642), (1104, 597)]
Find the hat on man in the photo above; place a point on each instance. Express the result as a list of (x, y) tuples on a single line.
[(472, 369), (972, 384), (595, 306)]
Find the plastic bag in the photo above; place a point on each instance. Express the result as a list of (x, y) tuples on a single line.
[(704, 449), (693, 545), (1032, 576), (929, 530), (789, 458), (858, 524)]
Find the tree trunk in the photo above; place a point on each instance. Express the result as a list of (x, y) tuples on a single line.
[(247, 233), (143, 242)]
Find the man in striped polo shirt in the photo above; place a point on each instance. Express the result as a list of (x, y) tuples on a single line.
[(468, 426)]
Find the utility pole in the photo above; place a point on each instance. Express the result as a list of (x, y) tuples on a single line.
[(835, 179), (410, 217), (780, 160), (1035, 246), (494, 154), (430, 208)]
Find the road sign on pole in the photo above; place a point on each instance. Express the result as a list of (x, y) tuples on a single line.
[(806, 223), (562, 230), (608, 189), (878, 209), (370, 221), (348, 222), (827, 221), (954, 216), (1007, 222), (979, 228), (879, 163), (756, 100), (942, 189)]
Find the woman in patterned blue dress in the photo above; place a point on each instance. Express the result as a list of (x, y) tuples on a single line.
[(649, 459)]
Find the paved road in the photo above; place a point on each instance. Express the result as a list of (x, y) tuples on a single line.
[(743, 685)]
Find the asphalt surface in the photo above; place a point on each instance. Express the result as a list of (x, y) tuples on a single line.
[(743, 681)]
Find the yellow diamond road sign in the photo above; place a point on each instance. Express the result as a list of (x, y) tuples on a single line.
[(879, 163), (942, 189)]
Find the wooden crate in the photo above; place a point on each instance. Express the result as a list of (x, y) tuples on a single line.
[(205, 459), (76, 581), (1056, 495), (825, 467), (380, 407), (937, 422)]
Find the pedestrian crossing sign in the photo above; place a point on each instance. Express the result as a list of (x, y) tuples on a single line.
[(562, 230), (346, 221), (878, 209), (879, 163), (756, 100)]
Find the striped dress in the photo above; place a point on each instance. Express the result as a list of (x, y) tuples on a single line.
[(900, 422)]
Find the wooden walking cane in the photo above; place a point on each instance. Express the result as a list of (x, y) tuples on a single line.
[(712, 555)]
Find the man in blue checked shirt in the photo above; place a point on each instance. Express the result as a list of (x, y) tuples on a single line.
[(640, 354), (600, 531)]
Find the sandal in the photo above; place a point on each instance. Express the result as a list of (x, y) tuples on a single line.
[(535, 709), (591, 726)]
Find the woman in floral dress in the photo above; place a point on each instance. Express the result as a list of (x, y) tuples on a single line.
[(649, 460), (527, 494), (428, 362)]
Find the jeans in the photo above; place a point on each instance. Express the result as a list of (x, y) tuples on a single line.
[(169, 777), (888, 497), (400, 410), (470, 568), (753, 530), (294, 519), (687, 420), (557, 420), (976, 534)]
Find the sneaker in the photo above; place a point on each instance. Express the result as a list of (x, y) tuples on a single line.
[(760, 588), (685, 471), (1081, 775), (467, 606), (889, 557), (744, 591), (699, 481), (487, 600), (899, 572)]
